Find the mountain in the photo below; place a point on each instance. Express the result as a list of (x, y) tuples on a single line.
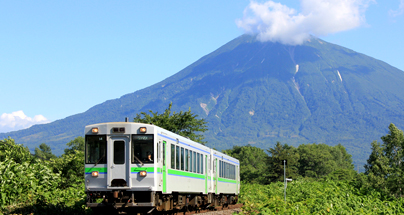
[(258, 93)]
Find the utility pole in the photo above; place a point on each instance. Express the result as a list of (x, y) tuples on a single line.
[(284, 175)]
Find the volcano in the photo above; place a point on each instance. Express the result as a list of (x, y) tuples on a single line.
[(258, 93)]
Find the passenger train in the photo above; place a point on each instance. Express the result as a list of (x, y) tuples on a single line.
[(142, 166)]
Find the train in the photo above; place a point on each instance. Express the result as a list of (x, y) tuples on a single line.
[(144, 167)]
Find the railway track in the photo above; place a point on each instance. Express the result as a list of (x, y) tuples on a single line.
[(216, 211)]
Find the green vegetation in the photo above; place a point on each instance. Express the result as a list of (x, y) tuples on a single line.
[(308, 160), (324, 181), (31, 184), (316, 197), (183, 123)]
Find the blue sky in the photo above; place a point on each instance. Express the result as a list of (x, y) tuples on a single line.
[(59, 58)]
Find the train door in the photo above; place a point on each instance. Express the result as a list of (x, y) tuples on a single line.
[(118, 165), (165, 151), (216, 174)]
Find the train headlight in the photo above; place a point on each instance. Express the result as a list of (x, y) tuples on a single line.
[(94, 173), (143, 173), (94, 130), (142, 129)]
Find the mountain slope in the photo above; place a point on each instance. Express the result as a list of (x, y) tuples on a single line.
[(259, 93)]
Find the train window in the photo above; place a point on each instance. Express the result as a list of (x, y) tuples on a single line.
[(158, 152), (190, 161), (177, 157), (172, 156), (119, 152), (164, 152), (142, 148), (182, 158), (201, 163), (198, 164), (220, 168), (194, 169), (96, 149), (186, 160)]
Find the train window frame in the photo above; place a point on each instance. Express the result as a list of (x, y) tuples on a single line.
[(101, 151), (194, 168), (141, 146), (172, 156), (182, 159), (186, 159), (202, 155), (198, 163), (119, 152), (177, 158)]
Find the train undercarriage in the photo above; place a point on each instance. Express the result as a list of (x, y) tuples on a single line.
[(148, 202)]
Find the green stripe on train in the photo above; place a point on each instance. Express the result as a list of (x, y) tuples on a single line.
[(147, 169), (227, 180), (92, 169), (186, 174)]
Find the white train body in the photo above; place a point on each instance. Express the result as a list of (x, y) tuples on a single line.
[(141, 165)]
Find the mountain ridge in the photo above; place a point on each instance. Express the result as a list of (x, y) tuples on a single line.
[(258, 93)]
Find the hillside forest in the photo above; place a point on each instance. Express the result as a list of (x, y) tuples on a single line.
[(324, 179)]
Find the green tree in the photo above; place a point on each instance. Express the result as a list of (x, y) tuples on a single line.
[(385, 164), (44, 151), (275, 167), (252, 163), (182, 123), (377, 169), (75, 145)]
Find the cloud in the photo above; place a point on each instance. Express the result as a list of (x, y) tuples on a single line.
[(18, 120), (398, 12), (275, 22)]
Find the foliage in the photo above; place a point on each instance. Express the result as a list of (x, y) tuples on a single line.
[(75, 145), (275, 165), (182, 123), (44, 151), (385, 164), (32, 185), (315, 197), (318, 160), (252, 162), (307, 160)]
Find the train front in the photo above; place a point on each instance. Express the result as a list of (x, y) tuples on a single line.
[(120, 170)]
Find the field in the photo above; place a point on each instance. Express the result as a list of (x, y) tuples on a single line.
[(315, 197)]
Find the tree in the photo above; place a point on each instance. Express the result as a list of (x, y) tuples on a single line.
[(385, 166), (252, 163), (276, 156), (182, 123), (44, 151), (76, 144)]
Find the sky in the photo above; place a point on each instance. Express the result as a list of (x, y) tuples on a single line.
[(60, 58)]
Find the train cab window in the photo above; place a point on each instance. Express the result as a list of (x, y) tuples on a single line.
[(96, 149), (186, 160), (142, 148)]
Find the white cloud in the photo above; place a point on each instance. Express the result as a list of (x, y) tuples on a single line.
[(398, 12), (275, 22), (18, 120)]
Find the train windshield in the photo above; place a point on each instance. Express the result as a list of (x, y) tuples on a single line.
[(142, 148), (96, 149)]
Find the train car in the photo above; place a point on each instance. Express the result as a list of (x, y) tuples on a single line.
[(145, 167)]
